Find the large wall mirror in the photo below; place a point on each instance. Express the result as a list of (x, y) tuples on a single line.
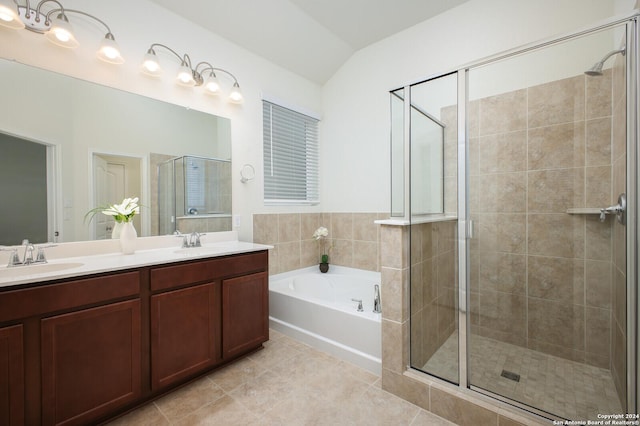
[(69, 146)]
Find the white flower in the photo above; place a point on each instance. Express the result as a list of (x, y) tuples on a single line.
[(125, 211), (321, 232)]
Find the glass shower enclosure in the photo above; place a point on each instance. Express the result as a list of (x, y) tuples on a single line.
[(194, 195), (518, 176)]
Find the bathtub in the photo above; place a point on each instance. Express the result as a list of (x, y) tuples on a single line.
[(317, 309)]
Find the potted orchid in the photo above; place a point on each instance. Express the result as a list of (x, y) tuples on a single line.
[(320, 235)]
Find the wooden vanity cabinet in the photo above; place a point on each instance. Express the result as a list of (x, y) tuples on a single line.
[(75, 354), (81, 351), (185, 335), (245, 313), (206, 312), (91, 362), (11, 376)]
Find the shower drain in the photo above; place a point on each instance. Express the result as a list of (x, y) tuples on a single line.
[(510, 375)]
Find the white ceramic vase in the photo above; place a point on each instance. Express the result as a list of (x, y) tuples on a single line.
[(128, 237), (115, 233)]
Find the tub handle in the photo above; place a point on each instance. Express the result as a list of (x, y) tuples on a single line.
[(359, 304)]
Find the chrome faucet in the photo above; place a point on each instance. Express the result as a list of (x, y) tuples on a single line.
[(377, 307), (27, 258), (194, 239), (191, 240)]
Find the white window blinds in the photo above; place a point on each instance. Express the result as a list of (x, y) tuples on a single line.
[(290, 156)]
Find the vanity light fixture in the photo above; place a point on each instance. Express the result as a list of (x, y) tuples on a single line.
[(55, 26), (202, 74)]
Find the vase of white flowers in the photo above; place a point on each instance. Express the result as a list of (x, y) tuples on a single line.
[(321, 235), (123, 214), (128, 237)]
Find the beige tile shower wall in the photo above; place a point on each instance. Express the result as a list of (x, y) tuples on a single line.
[(445, 400), (353, 237), (433, 288), (540, 278), (619, 265)]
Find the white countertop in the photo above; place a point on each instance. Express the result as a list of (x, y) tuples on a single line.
[(104, 256)]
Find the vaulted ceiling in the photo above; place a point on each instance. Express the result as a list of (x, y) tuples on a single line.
[(312, 38)]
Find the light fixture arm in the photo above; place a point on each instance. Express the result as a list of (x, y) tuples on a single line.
[(64, 11), (60, 9), (214, 69), (182, 58), (208, 66)]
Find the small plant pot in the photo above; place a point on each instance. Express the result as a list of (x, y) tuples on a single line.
[(324, 267)]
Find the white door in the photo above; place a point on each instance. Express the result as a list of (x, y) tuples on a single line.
[(109, 188)]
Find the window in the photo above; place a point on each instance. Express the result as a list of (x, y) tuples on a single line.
[(290, 156)]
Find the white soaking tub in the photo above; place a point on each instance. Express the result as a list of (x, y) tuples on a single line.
[(317, 309)]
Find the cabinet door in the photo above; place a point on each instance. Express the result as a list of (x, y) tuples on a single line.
[(184, 337), (91, 362), (11, 376), (245, 313)]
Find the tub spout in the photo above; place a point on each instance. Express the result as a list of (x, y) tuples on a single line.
[(377, 308)]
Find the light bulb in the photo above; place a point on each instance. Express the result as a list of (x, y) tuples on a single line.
[(236, 95), (61, 33), (211, 84), (185, 76), (9, 18), (150, 65), (109, 50)]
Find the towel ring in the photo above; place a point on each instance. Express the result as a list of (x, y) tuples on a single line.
[(247, 173)]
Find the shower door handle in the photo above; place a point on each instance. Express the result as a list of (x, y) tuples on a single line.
[(619, 210)]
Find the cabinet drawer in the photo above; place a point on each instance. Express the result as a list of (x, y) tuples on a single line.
[(191, 273), (54, 297)]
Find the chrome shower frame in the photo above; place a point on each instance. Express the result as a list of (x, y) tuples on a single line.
[(633, 255), (630, 52), (465, 227)]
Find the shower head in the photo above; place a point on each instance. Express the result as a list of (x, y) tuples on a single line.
[(596, 69)]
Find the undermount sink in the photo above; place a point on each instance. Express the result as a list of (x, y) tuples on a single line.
[(43, 268)]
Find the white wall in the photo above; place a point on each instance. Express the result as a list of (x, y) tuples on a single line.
[(355, 127), (137, 24), (354, 104)]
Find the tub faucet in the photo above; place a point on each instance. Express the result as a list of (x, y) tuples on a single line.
[(377, 308)]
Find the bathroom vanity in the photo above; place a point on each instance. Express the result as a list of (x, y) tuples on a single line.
[(84, 348)]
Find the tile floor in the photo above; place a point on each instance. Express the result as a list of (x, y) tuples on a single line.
[(565, 388), (286, 383)]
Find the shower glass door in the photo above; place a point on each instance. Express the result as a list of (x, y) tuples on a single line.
[(432, 110), (547, 299)]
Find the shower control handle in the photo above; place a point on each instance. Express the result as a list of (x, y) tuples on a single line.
[(619, 210), (360, 309)]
